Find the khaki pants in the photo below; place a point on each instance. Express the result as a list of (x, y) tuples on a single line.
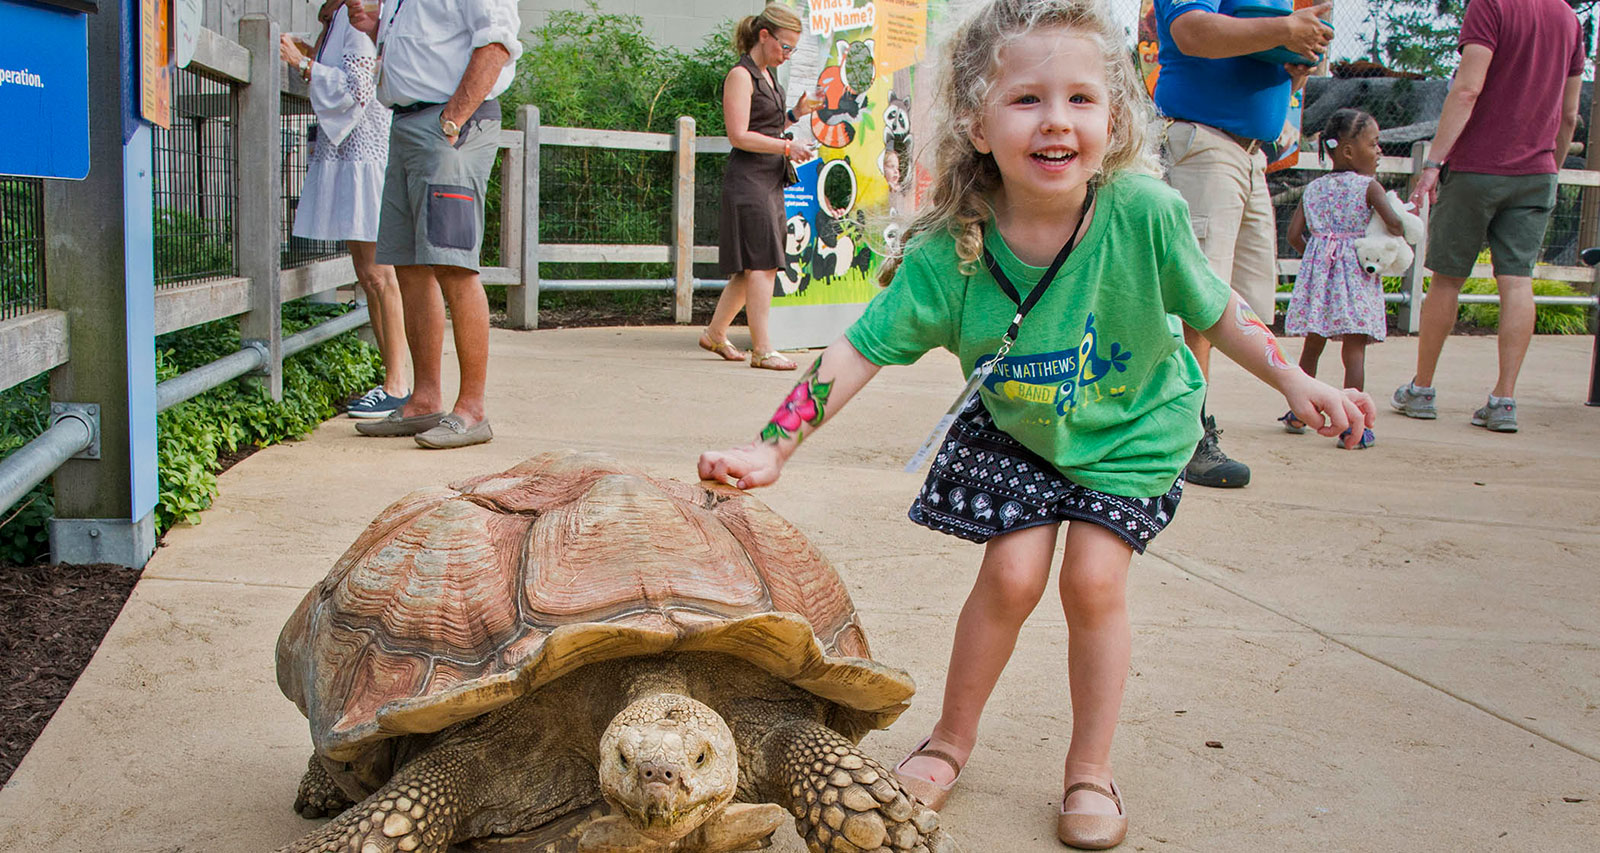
[(1229, 209)]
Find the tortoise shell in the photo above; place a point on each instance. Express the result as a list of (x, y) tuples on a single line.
[(458, 600)]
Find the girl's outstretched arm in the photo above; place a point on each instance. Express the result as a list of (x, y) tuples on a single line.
[(1245, 339), (831, 381), (1297, 227), (1378, 200)]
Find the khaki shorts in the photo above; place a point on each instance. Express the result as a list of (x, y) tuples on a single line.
[(433, 193), (1510, 210), (1229, 209)]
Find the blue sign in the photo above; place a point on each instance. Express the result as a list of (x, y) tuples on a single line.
[(44, 91)]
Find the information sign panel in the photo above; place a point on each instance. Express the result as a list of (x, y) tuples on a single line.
[(44, 91)]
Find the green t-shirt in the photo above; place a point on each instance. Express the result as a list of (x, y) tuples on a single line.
[(1099, 381)]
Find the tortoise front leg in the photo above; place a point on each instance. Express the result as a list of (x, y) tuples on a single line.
[(842, 800), (417, 811), (319, 795)]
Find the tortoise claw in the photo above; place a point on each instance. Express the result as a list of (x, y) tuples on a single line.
[(318, 795)]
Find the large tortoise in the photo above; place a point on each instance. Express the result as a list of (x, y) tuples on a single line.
[(583, 657)]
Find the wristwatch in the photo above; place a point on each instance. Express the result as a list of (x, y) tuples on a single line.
[(449, 127), (1432, 164), (305, 68), (791, 116)]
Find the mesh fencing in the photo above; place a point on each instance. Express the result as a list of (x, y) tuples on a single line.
[(605, 196), (195, 183), (22, 278), (298, 126)]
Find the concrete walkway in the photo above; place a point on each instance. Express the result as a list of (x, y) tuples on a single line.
[(1396, 649)]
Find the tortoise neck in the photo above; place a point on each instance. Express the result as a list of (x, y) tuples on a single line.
[(652, 678)]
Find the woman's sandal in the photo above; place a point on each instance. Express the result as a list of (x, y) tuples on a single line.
[(773, 360), (1087, 831), (724, 348), (1292, 423), (928, 792)]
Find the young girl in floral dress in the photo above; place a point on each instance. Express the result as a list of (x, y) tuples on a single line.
[(1333, 296)]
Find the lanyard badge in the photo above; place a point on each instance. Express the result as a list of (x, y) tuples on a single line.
[(982, 371)]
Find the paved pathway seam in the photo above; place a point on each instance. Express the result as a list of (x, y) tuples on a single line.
[(1201, 571)]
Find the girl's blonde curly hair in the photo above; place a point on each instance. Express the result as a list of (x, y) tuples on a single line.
[(963, 179)]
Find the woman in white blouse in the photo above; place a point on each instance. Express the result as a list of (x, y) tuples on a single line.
[(344, 182)]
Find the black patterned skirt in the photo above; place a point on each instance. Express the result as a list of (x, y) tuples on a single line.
[(985, 483)]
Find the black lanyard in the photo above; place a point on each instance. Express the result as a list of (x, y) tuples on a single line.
[(1026, 305)]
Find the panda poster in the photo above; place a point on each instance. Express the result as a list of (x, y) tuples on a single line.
[(857, 56)]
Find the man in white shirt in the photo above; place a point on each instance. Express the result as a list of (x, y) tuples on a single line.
[(441, 64)]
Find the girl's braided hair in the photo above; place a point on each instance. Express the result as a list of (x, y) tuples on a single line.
[(1343, 126)]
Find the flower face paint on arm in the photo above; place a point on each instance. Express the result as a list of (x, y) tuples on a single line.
[(804, 405), (1250, 323)]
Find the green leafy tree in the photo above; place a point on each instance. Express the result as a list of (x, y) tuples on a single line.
[(1423, 35)]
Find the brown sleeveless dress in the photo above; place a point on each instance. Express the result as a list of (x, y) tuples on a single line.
[(751, 218)]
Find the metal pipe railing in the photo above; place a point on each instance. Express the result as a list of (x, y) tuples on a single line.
[(70, 435), (251, 358)]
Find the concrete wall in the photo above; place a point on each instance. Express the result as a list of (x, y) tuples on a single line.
[(680, 23)]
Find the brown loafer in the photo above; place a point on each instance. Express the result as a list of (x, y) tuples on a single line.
[(452, 433), (927, 791), (1092, 831), (396, 425)]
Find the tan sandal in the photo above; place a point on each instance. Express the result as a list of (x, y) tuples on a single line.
[(724, 348), (1087, 831), (928, 792), (772, 360)]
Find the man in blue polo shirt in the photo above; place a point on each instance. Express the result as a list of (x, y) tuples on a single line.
[(1220, 105)]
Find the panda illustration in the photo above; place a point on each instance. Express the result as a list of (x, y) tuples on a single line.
[(796, 247)]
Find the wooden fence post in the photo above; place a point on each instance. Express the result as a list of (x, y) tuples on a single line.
[(522, 301), (683, 222), (258, 142), (1410, 312)]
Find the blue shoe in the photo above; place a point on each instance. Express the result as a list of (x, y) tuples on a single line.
[(1367, 439), (376, 403), (1292, 423)]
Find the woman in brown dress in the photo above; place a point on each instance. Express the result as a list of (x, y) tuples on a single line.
[(751, 249)]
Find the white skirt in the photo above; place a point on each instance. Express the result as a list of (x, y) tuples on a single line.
[(340, 200)]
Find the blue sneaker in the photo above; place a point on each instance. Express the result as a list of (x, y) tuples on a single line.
[(376, 403), (1367, 440)]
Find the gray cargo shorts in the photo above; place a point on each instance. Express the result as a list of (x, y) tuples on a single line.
[(432, 192)]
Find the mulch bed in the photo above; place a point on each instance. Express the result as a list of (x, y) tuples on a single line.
[(52, 619)]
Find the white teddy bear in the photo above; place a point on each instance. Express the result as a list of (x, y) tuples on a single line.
[(1384, 253)]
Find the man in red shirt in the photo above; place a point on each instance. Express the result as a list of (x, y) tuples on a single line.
[(1503, 133)]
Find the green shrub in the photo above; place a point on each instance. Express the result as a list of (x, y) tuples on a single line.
[(187, 246), (1548, 319), (193, 435)]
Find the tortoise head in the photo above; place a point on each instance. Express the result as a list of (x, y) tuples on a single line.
[(668, 763)]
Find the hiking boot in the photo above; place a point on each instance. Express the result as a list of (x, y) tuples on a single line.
[(1414, 402), (376, 403), (1497, 415), (1210, 466)]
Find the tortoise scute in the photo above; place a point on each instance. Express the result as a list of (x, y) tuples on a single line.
[(437, 588), (677, 557)]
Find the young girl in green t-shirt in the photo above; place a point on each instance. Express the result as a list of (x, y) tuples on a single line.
[(1087, 402)]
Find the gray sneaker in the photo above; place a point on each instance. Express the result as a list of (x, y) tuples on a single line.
[(1209, 466), (1497, 415), (1414, 402), (452, 432)]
